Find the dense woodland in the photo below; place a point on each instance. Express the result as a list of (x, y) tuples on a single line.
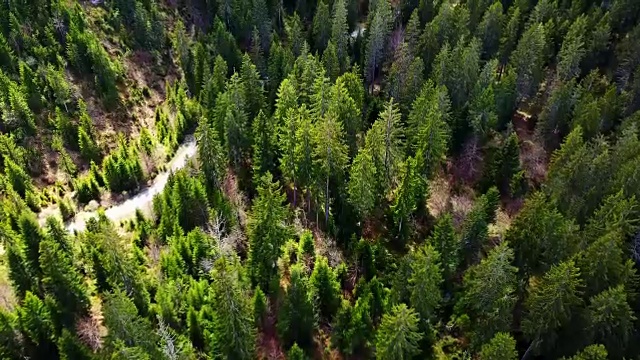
[(404, 179)]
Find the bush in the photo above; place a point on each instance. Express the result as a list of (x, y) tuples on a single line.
[(33, 200)]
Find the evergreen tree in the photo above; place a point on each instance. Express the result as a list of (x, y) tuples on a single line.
[(541, 236), (253, 89), (37, 327), (591, 352), (321, 26), (378, 31), (296, 317), (384, 140), (236, 123), (411, 189), (490, 30), (362, 194), (330, 61), (324, 288), (340, 32), (233, 330), (552, 302), (303, 154), (489, 294), (398, 336), (528, 60), (330, 153), (265, 142), (573, 50), (611, 320), (425, 282), (210, 155), (267, 232), (501, 347), (288, 143)]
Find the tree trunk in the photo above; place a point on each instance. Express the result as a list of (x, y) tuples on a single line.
[(326, 203)]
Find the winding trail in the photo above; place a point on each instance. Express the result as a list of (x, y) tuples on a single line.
[(143, 200)]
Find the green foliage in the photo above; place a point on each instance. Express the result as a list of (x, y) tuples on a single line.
[(528, 60), (398, 335), (500, 347), (552, 301), (489, 294), (296, 318), (610, 319), (324, 288), (425, 281), (591, 352), (362, 195), (122, 170), (267, 232), (233, 330)]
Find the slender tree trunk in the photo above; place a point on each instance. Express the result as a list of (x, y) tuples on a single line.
[(326, 203)]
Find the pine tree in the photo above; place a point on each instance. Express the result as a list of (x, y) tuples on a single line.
[(265, 142), (541, 236), (62, 281), (288, 142), (233, 330), (405, 76), (591, 352), (324, 289), (344, 108), (295, 353), (501, 347), (384, 140), (253, 89), (410, 190), (429, 129), (267, 232), (458, 68), (573, 50), (611, 320), (330, 153), (490, 30), (339, 32), (552, 301), (398, 336), (296, 317), (321, 26), (303, 154), (376, 42), (528, 60), (330, 61), (260, 307), (36, 326), (489, 293), (31, 236), (210, 155), (425, 281), (236, 123), (362, 175)]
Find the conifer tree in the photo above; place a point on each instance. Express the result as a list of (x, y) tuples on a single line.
[(490, 30), (339, 32), (324, 288), (253, 89), (573, 50), (236, 123), (425, 282), (489, 293), (296, 317), (611, 320), (330, 61), (267, 232), (303, 154), (330, 153), (376, 41), (410, 190), (528, 60), (288, 142), (552, 301), (344, 108), (384, 140), (265, 142), (233, 330), (591, 352), (37, 327), (362, 175), (500, 347), (210, 155), (321, 26), (398, 336)]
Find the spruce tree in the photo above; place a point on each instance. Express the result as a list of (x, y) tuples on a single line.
[(425, 282), (500, 347), (296, 317), (528, 60), (362, 194), (321, 26), (398, 336), (324, 289), (267, 232)]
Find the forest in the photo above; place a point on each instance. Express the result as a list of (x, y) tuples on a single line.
[(319, 179)]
